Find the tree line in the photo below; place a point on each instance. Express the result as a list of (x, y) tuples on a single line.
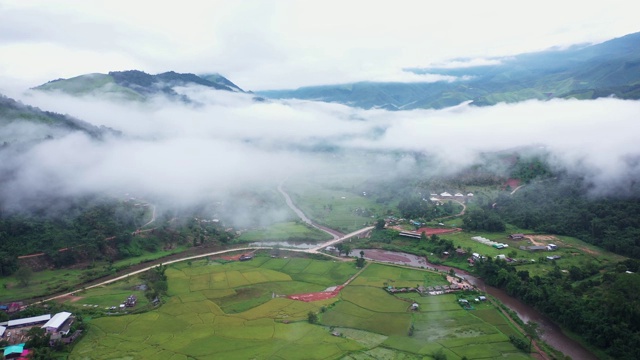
[(564, 207), (603, 309)]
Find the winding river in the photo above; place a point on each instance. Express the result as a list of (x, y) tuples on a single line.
[(550, 332)]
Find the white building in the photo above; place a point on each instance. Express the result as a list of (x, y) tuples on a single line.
[(56, 321), (29, 321)]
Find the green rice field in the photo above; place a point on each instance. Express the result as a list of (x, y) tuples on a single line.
[(238, 310)]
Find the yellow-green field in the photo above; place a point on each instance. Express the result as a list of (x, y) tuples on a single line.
[(237, 311)]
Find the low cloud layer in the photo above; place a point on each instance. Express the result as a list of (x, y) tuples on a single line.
[(184, 154)]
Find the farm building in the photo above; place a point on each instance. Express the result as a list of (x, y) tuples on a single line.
[(245, 257), (29, 321), (15, 351), (445, 194), (552, 247), (415, 306), (516, 236), (410, 234), (57, 321), (2, 329)]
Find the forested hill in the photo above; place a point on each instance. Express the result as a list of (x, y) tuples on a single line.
[(137, 85), (23, 123), (583, 72), (564, 207)]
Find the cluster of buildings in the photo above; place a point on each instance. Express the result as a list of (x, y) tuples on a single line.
[(429, 290), (15, 331), (446, 195)]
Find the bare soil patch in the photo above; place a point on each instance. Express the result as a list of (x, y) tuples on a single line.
[(392, 257), (69, 298), (539, 239)]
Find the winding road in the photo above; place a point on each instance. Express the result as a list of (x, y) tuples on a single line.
[(336, 234), (337, 237)]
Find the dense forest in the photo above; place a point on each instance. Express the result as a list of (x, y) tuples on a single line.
[(97, 229), (603, 309), (563, 207)]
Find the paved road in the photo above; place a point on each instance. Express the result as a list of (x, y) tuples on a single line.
[(303, 217), (336, 239)]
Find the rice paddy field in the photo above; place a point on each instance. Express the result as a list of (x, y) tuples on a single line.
[(238, 310)]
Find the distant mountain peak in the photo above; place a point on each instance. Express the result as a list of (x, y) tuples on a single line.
[(136, 84)]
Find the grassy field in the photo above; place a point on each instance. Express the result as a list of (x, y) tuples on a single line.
[(237, 311), (572, 251), (342, 207), (289, 231), (48, 282)]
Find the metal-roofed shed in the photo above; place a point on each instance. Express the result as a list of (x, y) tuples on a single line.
[(56, 321), (29, 320)]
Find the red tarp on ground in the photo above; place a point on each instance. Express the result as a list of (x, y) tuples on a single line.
[(317, 295)]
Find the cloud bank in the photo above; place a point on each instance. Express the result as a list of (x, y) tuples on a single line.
[(185, 154)]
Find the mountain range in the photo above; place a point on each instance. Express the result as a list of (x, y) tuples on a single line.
[(611, 68), (137, 85)]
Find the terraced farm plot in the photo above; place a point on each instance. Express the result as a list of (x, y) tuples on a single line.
[(238, 311)]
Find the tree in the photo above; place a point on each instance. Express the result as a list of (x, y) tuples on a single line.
[(346, 249), (362, 253), (439, 355), (312, 317), (360, 262), (380, 223), (23, 275), (38, 337)]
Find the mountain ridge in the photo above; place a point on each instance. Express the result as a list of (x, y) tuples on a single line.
[(611, 68), (137, 85)]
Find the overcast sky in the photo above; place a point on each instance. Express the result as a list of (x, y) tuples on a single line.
[(285, 44)]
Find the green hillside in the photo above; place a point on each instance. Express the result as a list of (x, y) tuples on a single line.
[(53, 125)]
